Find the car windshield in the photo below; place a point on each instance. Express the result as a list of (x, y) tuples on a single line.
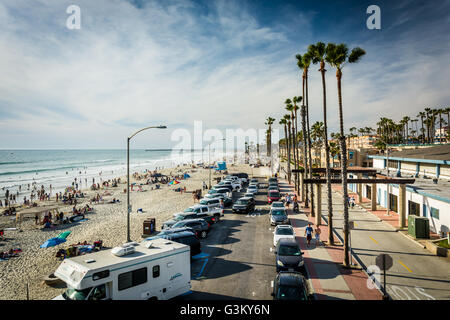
[(203, 202), (285, 231), (179, 224), (74, 294), (291, 293), (289, 251), (190, 210), (278, 204), (274, 194), (278, 213), (244, 202)]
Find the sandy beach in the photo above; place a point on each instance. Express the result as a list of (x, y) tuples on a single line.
[(107, 223)]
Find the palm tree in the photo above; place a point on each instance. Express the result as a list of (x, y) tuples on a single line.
[(289, 107), (337, 56), (269, 122), (296, 100), (318, 53), (422, 115), (317, 132), (334, 150), (288, 127), (284, 123), (303, 62)]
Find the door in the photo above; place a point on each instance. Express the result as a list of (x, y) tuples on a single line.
[(100, 292)]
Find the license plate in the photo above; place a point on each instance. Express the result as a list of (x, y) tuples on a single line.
[(291, 269)]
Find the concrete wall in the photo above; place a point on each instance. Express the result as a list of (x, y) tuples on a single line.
[(436, 225)]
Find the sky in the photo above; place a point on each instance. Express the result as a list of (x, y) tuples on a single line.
[(230, 64)]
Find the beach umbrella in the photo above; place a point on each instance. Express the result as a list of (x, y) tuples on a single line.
[(64, 235), (52, 242), (174, 182)]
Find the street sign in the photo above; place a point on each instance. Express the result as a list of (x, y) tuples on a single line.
[(386, 264)]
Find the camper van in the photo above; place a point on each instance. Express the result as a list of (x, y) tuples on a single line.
[(159, 269)]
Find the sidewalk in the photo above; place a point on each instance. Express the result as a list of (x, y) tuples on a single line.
[(392, 219), (330, 280)]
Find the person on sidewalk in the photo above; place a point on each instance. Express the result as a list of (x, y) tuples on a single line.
[(288, 200), (317, 235), (308, 233)]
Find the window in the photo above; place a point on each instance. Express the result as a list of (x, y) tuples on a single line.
[(99, 293), (100, 275), (205, 209), (413, 208), (393, 202), (132, 278), (434, 213), (155, 271)]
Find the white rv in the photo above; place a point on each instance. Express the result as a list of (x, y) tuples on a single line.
[(153, 270)]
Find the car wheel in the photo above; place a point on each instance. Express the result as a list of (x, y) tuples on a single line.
[(203, 235)]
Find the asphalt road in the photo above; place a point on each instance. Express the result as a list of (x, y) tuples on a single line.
[(237, 262)]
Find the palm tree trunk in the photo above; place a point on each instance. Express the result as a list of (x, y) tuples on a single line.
[(344, 170), (289, 153), (327, 153), (309, 147), (306, 159), (297, 185)]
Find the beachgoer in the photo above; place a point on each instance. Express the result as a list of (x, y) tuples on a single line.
[(308, 233), (317, 235)]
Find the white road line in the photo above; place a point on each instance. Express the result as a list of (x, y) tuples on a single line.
[(270, 249), (271, 284)]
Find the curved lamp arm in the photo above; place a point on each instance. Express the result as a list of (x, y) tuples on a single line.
[(156, 127)]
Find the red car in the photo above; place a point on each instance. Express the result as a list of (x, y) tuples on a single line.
[(273, 196)]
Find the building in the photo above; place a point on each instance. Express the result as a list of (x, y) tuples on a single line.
[(429, 196), (362, 142), (440, 134)]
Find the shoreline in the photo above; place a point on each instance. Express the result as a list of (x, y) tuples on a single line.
[(107, 223)]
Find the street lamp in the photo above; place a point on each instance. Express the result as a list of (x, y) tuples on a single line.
[(128, 175), (209, 160)]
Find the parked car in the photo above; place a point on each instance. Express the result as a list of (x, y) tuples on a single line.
[(278, 216), (188, 238), (200, 226), (252, 189), (273, 196), (211, 202), (227, 201), (249, 195), (199, 208), (224, 191), (273, 188), (289, 256), (277, 204), (244, 205), (169, 231), (272, 179), (291, 285), (253, 180), (242, 176), (229, 187), (283, 231)]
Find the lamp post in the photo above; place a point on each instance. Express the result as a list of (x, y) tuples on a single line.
[(128, 175), (209, 160)]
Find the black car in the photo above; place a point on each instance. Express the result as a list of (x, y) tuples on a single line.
[(289, 256), (244, 205), (273, 179), (200, 226), (190, 215), (291, 285), (186, 237), (224, 186)]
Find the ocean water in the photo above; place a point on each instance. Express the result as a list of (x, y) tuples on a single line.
[(59, 168)]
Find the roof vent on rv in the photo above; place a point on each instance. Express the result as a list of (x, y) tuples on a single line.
[(149, 245), (122, 251)]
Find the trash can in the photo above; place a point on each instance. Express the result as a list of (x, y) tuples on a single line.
[(149, 226), (419, 227)]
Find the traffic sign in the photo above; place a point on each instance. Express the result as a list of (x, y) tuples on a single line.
[(384, 261)]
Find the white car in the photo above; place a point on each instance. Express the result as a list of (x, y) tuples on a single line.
[(283, 231), (277, 204), (235, 184), (252, 189)]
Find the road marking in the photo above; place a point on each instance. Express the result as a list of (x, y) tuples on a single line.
[(270, 249), (253, 293), (373, 240), (404, 265), (271, 284)]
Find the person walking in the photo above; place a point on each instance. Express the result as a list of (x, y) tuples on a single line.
[(308, 233), (288, 200), (317, 235)]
